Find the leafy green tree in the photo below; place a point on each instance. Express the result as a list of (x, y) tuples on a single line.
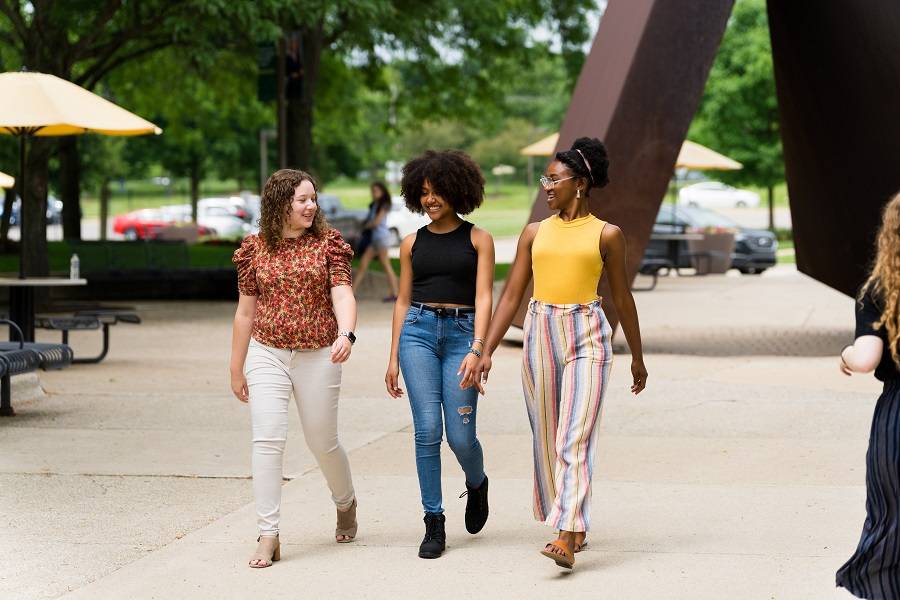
[(453, 58), (84, 41), (738, 114)]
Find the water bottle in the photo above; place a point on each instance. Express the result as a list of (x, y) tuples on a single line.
[(74, 267)]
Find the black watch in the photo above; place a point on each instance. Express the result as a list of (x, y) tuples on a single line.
[(350, 336)]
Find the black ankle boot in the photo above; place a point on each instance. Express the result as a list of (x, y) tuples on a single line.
[(435, 539), (476, 506)]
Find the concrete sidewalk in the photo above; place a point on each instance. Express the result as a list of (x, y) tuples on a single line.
[(738, 473)]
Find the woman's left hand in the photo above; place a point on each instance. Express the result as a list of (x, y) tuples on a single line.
[(467, 370), (340, 349)]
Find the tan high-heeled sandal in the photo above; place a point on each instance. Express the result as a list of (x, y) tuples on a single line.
[(263, 560), (346, 524)]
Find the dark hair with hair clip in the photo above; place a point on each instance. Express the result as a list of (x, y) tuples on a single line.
[(588, 159)]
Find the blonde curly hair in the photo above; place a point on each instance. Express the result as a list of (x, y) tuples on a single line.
[(885, 276), (275, 205)]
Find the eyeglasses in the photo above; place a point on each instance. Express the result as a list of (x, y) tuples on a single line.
[(546, 182)]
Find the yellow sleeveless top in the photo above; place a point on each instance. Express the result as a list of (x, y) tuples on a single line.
[(566, 260)]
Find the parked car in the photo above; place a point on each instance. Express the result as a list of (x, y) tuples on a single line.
[(713, 194), (401, 221), (346, 220), (227, 221), (143, 224), (54, 210), (754, 249), (147, 223)]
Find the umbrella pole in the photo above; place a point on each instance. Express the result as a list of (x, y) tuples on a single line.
[(21, 206)]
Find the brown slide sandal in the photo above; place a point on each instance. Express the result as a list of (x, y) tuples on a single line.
[(565, 560)]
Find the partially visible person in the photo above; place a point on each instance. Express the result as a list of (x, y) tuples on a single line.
[(292, 331), (567, 351), (440, 320), (874, 569), (378, 239)]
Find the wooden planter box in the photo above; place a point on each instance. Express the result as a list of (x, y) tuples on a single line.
[(712, 254)]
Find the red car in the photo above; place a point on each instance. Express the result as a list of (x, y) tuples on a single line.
[(147, 223)]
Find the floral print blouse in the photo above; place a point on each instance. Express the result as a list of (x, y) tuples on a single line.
[(293, 288)]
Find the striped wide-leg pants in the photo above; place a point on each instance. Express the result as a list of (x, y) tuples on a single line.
[(874, 569), (565, 368)]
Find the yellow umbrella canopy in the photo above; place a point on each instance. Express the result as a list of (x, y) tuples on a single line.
[(45, 105), (6, 181), (700, 158), (542, 147)]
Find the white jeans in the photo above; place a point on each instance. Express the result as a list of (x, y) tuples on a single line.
[(272, 374)]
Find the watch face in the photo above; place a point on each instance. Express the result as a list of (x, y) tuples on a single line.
[(352, 337)]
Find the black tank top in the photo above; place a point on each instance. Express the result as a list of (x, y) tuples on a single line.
[(444, 266)]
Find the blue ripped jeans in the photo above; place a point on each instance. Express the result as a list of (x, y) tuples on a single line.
[(432, 346)]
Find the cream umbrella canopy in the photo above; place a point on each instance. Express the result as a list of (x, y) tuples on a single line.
[(38, 104), (700, 158)]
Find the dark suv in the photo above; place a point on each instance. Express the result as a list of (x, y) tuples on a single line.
[(754, 249)]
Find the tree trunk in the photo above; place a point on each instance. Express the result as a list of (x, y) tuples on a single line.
[(70, 187), (105, 194), (195, 187), (8, 200), (300, 108), (771, 190), (34, 208)]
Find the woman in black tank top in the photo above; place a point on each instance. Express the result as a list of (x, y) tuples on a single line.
[(441, 316)]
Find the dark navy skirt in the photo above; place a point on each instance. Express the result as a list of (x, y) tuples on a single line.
[(873, 572)]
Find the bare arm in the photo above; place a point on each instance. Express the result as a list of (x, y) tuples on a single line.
[(240, 340), (614, 251), (343, 303), (401, 306), (484, 302), (863, 355), (510, 299)]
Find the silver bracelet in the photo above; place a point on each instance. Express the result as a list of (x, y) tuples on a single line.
[(475, 352)]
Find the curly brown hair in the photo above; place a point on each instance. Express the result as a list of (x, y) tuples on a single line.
[(276, 204), (885, 276), (454, 176)]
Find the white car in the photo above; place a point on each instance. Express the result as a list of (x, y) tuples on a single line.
[(221, 217), (402, 222), (713, 194)]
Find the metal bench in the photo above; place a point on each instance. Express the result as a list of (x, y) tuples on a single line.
[(652, 267), (85, 320), (16, 361)]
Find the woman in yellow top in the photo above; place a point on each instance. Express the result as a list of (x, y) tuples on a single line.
[(567, 352)]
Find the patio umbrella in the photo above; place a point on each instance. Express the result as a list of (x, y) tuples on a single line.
[(6, 181), (700, 158), (45, 105)]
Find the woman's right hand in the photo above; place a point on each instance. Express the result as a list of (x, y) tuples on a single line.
[(480, 372), (392, 379), (239, 386)]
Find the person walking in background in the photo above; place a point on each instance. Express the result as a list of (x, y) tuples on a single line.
[(874, 569), (292, 330), (440, 319), (378, 239), (567, 351)]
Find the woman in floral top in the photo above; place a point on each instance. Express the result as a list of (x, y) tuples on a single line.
[(292, 330)]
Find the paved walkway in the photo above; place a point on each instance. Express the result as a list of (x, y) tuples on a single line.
[(737, 474)]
